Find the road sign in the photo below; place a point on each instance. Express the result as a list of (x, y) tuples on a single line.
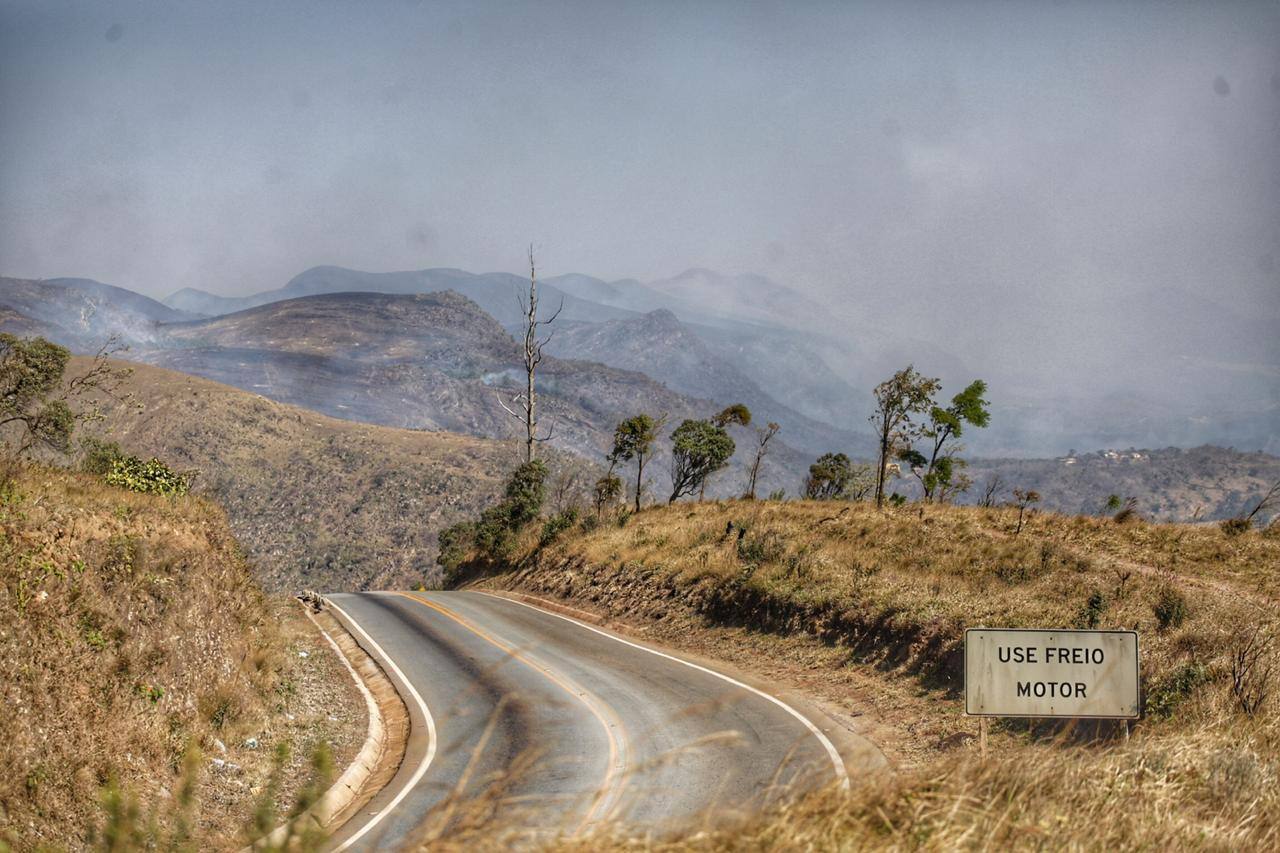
[(1049, 673)]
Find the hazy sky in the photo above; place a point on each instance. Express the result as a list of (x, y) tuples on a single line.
[(985, 153)]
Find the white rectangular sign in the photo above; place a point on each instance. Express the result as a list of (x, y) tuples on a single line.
[(1037, 673)]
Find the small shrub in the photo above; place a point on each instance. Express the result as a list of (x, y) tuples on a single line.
[(456, 543), (122, 555), (768, 547), (525, 492), (624, 517), (1170, 607), (99, 456), (1175, 688), (1094, 607), (557, 524), (150, 692), (1015, 573), (1233, 527), (778, 495), (151, 477), (94, 639), (221, 709)]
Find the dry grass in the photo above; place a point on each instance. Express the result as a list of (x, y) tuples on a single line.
[(896, 588), (317, 502), (1204, 790), (900, 588), (133, 641)]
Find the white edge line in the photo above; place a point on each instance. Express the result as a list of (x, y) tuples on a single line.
[(431, 733), (836, 761)]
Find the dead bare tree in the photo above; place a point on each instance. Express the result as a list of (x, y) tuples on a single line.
[(526, 401), (1253, 668), (762, 447), (991, 492), (1264, 504)]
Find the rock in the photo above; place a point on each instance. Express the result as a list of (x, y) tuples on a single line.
[(303, 654), (220, 746), (251, 743)]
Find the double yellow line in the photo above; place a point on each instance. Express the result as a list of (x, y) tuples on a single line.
[(609, 796)]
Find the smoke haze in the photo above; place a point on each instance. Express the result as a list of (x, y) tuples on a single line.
[(1075, 199)]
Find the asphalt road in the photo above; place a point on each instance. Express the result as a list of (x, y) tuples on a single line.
[(542, 724)]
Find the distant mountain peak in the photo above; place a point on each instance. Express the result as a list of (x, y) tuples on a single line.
[(663, 317)]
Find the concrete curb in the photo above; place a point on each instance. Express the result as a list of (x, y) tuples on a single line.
[(348, 787)]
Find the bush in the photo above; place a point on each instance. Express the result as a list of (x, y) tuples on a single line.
[(526, 490), (1172, 690), (1170, 608), (1091, 612), (99, 456), (456, 543), (1235, 526), (557, 524), (495, 533), (151, 477)]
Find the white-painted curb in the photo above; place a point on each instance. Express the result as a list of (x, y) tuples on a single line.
[(344, 790)]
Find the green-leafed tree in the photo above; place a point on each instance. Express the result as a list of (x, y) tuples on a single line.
[(39, 406), (606, 491), (938, 467), (829, 477), (31, 372), (698, 449), (738, 414), (633, 439), (900, 400), (735, 414), (526, 490)]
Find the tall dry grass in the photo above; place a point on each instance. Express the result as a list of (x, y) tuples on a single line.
[(132, 638), (898, 587)]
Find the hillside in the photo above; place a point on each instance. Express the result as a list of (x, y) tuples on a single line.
[(1169, 484), (80, 313), (316, 501), (148, 681), (659, 345), (855, 603), (432, 361), (494, 292)]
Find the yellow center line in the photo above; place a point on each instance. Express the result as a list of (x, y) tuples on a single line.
[(614, 781)]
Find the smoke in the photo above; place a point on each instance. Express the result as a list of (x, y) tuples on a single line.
[(1073, 200)]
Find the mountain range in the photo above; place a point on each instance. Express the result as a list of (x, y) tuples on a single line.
[(390, 348)]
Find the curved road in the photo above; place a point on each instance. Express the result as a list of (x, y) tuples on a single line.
[(547, 724)]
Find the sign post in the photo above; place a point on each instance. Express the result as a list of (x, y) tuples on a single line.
[(1016, 672)]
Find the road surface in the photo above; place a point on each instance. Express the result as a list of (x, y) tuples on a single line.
[(543, 724)]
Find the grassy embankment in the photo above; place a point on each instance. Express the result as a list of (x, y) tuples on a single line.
[(879, 600), (149, 685)]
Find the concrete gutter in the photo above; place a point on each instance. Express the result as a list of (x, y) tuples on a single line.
[(350, 789)]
